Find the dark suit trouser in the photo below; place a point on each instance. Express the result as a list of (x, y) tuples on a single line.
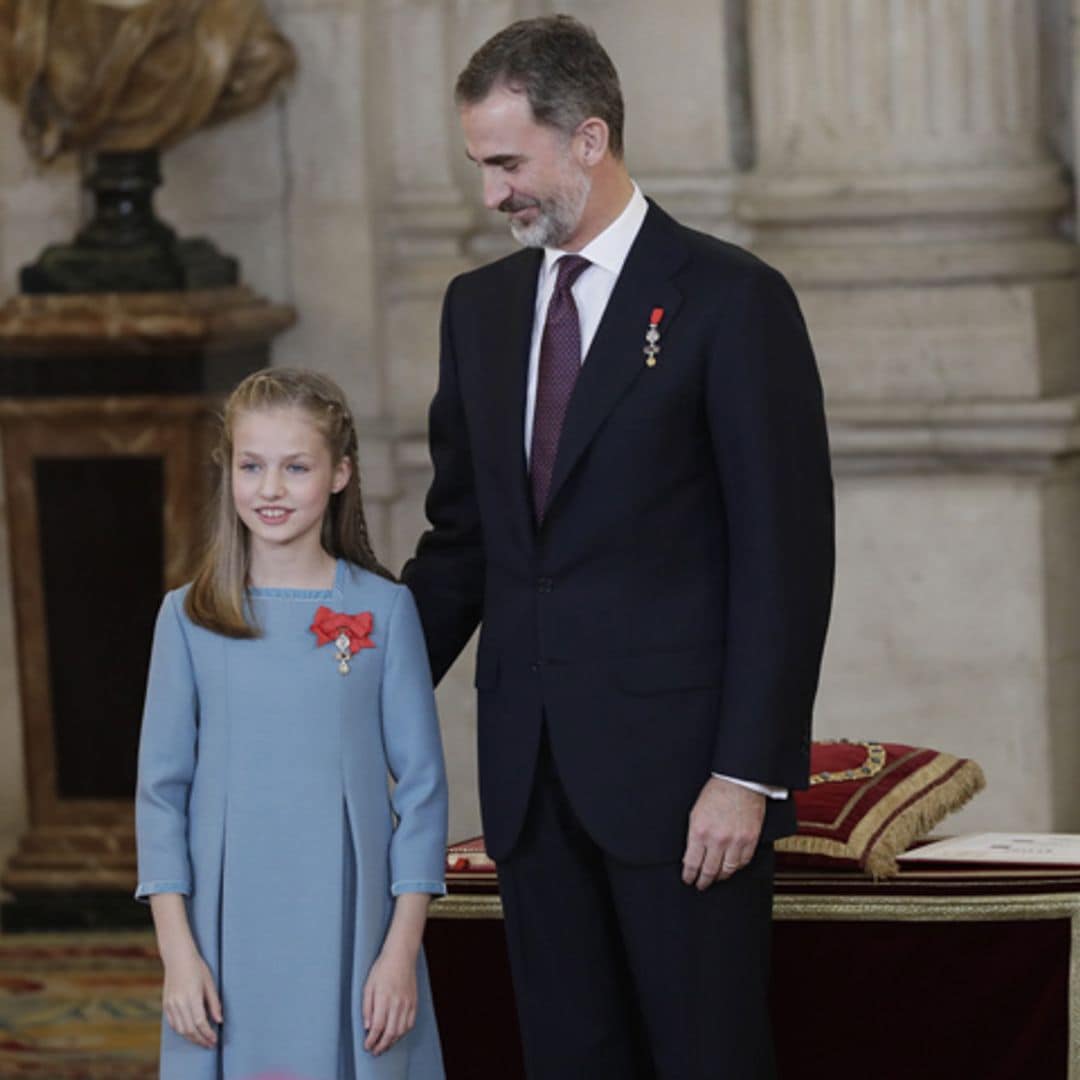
[(622, 972)]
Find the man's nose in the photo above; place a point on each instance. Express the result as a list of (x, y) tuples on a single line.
[(496, 191)]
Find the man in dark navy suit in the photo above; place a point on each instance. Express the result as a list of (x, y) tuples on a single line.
[(632, 495)]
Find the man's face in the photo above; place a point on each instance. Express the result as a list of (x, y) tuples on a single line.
[(530, 171)]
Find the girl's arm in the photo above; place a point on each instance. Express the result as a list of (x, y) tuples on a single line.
[(167, 751), (167, 754), (189, 999), (410, 728), (390, 993), (407, 926)]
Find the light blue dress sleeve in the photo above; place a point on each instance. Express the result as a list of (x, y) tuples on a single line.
[(167, 749), (410, 730)]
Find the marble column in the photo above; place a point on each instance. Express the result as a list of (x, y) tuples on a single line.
[(904, 180), (681, 81), (320, 138)]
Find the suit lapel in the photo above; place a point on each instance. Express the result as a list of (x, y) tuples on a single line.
[(511, 316), (615, 359)]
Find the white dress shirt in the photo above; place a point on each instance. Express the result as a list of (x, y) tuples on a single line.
[(592, 290)]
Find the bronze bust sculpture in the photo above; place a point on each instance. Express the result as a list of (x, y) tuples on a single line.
[(124, 79), (134, 74)]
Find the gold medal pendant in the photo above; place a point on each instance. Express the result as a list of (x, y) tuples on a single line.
[(652, 337), (343, 654)]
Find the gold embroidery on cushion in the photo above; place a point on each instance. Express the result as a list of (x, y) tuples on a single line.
[(874, 763), (865, 791)]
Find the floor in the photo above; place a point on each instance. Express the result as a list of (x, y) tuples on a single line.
[(79, 1006)]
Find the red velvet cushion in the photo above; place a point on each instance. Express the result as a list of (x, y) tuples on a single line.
[(868, 802), (469, 857)]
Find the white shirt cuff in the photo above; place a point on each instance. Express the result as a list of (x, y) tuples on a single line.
[(768, 790)]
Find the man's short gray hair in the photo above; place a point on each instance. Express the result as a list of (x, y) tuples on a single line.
[(560, 66)]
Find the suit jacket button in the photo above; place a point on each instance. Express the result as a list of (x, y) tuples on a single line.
[(544, 584), (535, 665)]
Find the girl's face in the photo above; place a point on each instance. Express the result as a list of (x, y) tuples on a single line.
[(283, 477)]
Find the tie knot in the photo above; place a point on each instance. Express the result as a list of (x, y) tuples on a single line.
[(569, 268)]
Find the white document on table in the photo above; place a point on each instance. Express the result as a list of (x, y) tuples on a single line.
[(1057, 849)]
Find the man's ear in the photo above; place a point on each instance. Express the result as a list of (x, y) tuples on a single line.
[(592, 137)]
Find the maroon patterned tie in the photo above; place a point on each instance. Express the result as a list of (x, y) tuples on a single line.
[(560, 362)]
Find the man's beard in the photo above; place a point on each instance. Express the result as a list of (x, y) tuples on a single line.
[(559, 214)]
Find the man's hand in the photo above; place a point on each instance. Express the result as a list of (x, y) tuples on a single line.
[(724, 828)]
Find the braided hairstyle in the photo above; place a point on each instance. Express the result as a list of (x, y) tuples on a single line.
[(218, 594)]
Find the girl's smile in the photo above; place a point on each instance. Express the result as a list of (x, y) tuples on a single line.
[(273, 515)]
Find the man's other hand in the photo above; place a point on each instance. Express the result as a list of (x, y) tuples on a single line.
[(724, 828)]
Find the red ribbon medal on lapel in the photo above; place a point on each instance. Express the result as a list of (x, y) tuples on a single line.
[(652, 336), (349, 633)]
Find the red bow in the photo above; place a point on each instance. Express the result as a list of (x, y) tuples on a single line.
[(330, 625)]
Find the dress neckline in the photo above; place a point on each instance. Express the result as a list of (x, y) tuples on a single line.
[(257, 593)]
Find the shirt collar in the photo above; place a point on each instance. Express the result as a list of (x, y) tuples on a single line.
[(610, 248)]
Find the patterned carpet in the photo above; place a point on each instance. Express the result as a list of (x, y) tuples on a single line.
[(79, 1006)]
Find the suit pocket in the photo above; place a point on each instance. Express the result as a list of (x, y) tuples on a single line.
[(487, 671), (657, 673)]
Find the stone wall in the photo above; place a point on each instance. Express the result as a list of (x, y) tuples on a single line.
[(907, 179), (901, 161)]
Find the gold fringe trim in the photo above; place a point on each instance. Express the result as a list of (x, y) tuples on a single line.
[(917, 821), (815, 845), (903, 799), (911, 824)]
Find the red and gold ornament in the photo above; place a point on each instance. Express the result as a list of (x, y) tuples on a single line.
[(652, 337), (349, 633)]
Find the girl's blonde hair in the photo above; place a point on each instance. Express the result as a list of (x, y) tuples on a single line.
[(217, 597)]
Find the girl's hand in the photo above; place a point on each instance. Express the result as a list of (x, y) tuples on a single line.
[(190, 999), (389, 1000)]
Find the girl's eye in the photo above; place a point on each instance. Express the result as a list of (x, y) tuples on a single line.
[(248, 466), (298, 468)]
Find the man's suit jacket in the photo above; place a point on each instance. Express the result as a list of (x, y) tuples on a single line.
[(667, 618)]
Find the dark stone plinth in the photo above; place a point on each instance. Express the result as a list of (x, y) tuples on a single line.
[(125, 247)]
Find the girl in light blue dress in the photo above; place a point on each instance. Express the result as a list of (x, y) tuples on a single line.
[(291, 804)]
